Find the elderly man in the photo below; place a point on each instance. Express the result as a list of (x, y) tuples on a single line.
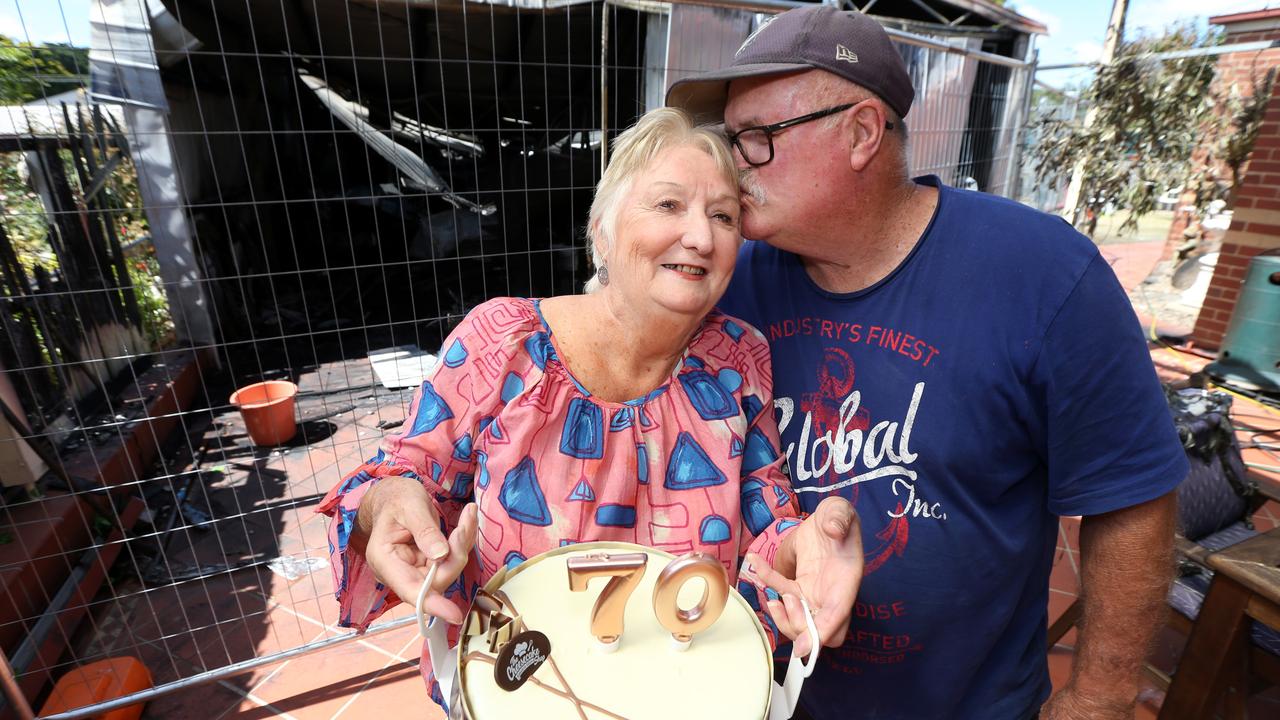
[(964, 369)]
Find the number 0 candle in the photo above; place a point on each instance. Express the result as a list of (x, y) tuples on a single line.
[(681, 623)]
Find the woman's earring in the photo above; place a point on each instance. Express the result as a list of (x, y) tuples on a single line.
[(603, 274)]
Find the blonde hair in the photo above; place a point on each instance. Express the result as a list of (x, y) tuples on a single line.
[(633, 152)]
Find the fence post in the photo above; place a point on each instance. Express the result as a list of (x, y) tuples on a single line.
[(12, 691), (1013, 171)]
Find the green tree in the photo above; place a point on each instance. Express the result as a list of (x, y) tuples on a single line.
[(30, 72), (1153, 116), (23, 215)]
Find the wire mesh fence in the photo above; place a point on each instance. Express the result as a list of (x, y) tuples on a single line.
[(218, 194), (1050, 106)]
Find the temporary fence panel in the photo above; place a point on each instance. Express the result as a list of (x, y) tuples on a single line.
[(1050, 106), (313, 192)]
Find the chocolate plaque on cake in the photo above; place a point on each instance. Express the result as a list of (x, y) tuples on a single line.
[(520, 658)]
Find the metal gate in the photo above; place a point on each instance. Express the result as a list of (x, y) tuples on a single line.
[(216, 194)]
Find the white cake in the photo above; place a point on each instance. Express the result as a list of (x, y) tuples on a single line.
[(725, 672)]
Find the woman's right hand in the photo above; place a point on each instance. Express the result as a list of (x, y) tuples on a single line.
[(398, 526)]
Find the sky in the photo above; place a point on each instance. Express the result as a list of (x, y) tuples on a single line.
[(1076, 27), (43, 20)]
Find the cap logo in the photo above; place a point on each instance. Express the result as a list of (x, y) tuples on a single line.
[(754, 33), (844, 53)]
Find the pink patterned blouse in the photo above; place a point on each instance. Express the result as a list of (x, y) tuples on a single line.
[(500, 421)]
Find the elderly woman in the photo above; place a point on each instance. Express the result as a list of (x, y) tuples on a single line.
[(633, 412)]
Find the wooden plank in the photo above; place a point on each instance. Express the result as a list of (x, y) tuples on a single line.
[(1253, 563), (1264, 611), (1219, 630)]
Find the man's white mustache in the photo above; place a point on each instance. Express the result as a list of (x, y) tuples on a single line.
[(748, 185)]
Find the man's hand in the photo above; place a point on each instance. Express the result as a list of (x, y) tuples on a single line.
[(821, 561), (1068, 704), (399, 532)]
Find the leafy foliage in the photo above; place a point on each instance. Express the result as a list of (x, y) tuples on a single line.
[(1227, 150), (23, 215), (32, 72), (1150, 119)]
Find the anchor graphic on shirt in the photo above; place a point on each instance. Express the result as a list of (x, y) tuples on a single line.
[(834, 412)]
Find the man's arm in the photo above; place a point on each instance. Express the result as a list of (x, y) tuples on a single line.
[(1126, 566)]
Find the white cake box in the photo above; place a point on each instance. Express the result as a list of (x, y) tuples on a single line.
[(529, 629)]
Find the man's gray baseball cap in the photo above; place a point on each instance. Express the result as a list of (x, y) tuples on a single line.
[(848, 44)]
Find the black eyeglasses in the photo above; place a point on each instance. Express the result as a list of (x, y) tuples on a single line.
[(756, 142)]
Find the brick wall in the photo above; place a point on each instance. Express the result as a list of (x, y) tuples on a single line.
[(1233, 69), (1255, 225), (1224, 290)]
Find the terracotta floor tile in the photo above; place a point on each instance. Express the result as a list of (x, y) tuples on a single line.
[(322, 616), (326, 477), (1067, 559), (1264, 522), (386, 413), (347, 433), (183, 608), (359, 450), (346, 464), (1058, 604), (1267, 517), (213, 647), (395, 689), (1069, 533), (294, 511), (402, 610), (1259, 456), (310, 594), (402, 643), (318, 611), (1064, 576), (304, 462), (306, 491), (350, 452), (285, 630), (319, 685), (201, 701), (307, 532), (1060, 666), (282, 590)]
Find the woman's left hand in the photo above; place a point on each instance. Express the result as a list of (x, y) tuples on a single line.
[(820, 560)]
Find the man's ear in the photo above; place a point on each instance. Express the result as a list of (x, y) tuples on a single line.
[(866, 133)]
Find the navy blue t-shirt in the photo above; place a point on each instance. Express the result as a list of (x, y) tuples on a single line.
[(995, 380)]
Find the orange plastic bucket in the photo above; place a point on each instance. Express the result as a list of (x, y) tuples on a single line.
[(267, 409), (98, 681)]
